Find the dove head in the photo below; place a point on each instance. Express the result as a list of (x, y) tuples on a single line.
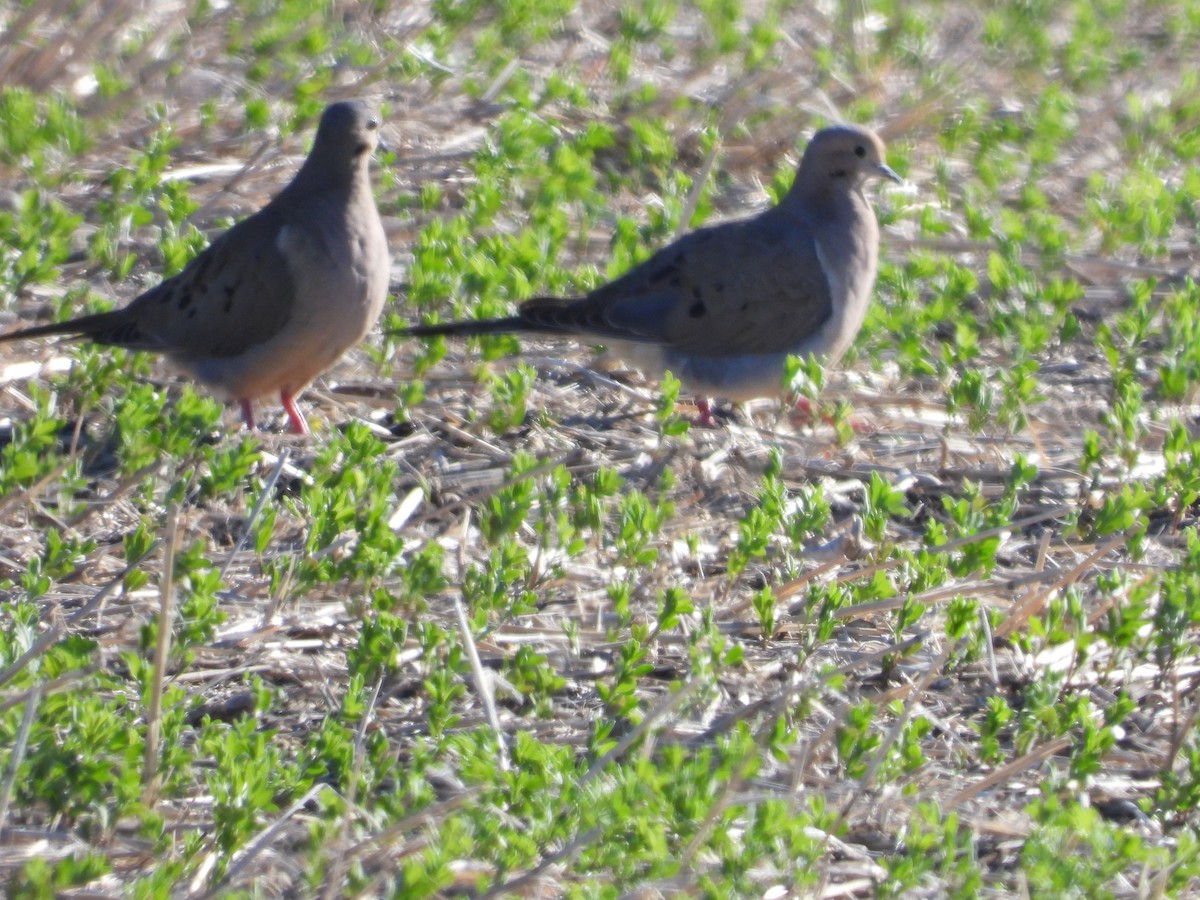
[(842, 155), (346, 136)]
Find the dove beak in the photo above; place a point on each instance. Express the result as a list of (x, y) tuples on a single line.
[(889, 174)]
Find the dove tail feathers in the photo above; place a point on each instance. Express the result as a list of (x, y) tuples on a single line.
[(468, 328), (117, 328), (85, 327)]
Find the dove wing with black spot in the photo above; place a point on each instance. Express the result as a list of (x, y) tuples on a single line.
[(235, 294), (693, 297)]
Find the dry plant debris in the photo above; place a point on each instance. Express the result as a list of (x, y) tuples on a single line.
[(505, 625)]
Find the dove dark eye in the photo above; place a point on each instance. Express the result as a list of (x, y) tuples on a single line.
[(860, 151), (373, 123)]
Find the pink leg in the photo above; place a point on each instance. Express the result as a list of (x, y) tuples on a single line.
[(295, 417), (247, 413), (803, 414), (705, 419)]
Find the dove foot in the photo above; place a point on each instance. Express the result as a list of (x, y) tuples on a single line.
[(297, 425), (802, 414), (705, 417)]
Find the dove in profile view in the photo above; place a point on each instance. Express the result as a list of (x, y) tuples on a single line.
[(276, 299), (724, 306)]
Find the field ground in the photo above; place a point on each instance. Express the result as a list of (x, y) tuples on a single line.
[(504, 625)]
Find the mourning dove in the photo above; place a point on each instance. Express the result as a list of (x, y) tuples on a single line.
[(724, 306), (277, 298)]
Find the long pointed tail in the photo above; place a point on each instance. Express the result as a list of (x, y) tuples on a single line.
[(545, 315), (91, 327)]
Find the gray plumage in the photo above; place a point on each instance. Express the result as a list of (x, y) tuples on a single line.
[(723, 306), (277, 298)]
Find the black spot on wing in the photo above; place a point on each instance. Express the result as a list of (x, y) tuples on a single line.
[(124, 334), (198, 276), (667, 273), (697, 309)]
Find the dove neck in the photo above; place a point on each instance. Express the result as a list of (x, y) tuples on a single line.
[(322, 173), (829, 199)]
